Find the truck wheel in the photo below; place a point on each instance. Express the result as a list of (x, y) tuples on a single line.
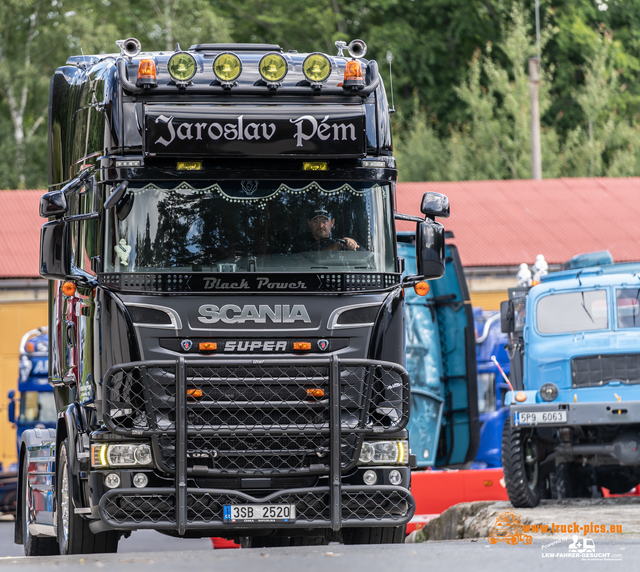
[(74, 534), (33, 545), (521, 466), (374, 535)]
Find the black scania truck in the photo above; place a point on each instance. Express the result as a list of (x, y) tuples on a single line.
[(225, 302)]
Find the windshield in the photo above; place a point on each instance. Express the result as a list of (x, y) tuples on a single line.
[(37, 406), (573, 312), (250, 226), (628, 308)]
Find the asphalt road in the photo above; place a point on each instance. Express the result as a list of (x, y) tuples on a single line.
[(158, 553)]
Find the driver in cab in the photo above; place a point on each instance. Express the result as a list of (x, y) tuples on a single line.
[(321, 223)]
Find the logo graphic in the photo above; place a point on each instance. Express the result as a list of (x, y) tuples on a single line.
[(186, 345), (581, 547), (508, 528), (232, 314), (323, 345), (249, 187)]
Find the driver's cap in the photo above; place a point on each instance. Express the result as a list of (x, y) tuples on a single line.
[(320, 212)]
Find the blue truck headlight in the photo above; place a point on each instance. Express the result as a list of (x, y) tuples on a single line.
[(384, 453), (121, 455), (549, 391)]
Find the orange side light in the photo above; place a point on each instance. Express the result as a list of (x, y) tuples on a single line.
[(68, 288), (521, 396), (194, 393), (147, 69), (30, 347), (315, 392), (302, 346), (422, 288), (207, 346), (353, 71)]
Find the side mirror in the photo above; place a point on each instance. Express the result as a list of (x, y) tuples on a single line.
[(430, 254), (53, 204), (506, 316), (11, 409), (54, 250), (435, 204)]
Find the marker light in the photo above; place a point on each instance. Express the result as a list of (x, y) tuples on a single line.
[(422, 288), (302, 346), (315, 392), (227, 67), (99, 455), (315, 166), (195, 393), (207, 346), (182, 66), (147, 73), (68, 288), (353, 74), (272, 67), (189, 166), (521, 396), (316, 68)]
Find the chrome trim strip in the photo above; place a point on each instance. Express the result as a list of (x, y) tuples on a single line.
[(176, 322), (333, 318)]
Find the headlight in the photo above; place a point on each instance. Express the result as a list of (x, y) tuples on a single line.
[(384, 452), (182, 66), (549, 391), (121, 455), (272, 67), (227, 67), (316, 68)]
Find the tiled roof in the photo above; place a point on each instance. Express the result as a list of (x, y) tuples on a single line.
[(19, 233), (499, 223)]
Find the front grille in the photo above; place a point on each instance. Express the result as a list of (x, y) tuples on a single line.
[(589, 371), (271, 418), (277, 425)]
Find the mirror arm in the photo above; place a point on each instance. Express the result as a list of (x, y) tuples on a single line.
[(407, 217), (411, 281)]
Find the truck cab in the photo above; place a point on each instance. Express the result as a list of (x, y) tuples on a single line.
[(574, 410)]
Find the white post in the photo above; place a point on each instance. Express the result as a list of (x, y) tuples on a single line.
[(536, 155)]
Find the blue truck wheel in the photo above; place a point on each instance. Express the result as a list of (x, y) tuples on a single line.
[(521, 466)]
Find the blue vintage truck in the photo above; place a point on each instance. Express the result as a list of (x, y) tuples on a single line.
[(35, 405), (574, 414)]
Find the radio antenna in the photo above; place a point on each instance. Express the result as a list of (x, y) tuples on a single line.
[(390, 59)]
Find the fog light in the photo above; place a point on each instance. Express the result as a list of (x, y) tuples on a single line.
[(141, 480), (395, 478), (112, 481), (370, 478)]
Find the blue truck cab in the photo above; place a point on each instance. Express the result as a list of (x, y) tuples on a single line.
[(492, 388), (444, 426), (36, 406), (574, 414)]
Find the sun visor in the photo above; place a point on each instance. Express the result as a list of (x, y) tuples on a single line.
[(255, 131)]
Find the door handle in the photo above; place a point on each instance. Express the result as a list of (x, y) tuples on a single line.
[(70, 333)]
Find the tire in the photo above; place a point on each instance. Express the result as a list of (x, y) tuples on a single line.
[(521, 466), (275, 541), (374, 535), (74, 534), (33, 545), (568, 484)]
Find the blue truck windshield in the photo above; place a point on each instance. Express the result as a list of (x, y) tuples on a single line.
[(251, 226), (572, 312)]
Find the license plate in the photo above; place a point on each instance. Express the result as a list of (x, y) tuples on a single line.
[(539, 417), (247, 513)]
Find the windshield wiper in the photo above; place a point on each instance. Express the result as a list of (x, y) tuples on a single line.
[(585, 308)]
